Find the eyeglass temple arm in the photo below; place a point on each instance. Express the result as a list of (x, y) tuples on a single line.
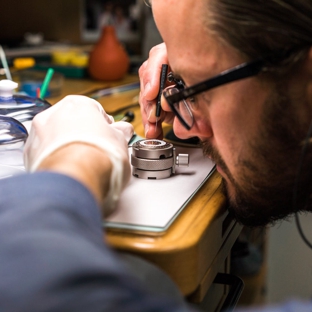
[(239, 72)]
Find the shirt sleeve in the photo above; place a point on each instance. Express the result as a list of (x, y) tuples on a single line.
[(53, 256)]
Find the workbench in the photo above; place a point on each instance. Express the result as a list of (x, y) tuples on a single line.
[(197, 246)]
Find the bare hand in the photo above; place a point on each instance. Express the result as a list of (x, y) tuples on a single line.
[(150, 79)]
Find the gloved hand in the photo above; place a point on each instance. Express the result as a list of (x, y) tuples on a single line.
[(80, 119)]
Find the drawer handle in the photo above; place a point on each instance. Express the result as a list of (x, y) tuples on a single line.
[(236, 288)]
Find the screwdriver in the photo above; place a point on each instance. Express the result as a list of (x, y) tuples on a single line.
[(162, 84)]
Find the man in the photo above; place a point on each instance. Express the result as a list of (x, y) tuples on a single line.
[(52, 254), (254, 127)]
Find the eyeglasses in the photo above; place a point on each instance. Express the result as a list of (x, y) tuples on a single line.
[(180, 98)]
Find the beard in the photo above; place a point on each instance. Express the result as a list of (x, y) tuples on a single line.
[(263, 192)]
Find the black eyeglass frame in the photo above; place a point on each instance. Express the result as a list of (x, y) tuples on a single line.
[(238, 72)]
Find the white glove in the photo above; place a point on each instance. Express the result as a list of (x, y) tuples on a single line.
[(81, 119)]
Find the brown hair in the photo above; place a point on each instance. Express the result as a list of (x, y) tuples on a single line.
[(260, 27)]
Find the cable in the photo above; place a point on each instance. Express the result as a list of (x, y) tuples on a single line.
[(295, 195), (304, 238)]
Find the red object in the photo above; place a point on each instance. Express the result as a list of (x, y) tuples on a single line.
[(38, 93), (108, 60)]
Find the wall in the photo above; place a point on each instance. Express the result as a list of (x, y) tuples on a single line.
[(57, 19), (289, 261)]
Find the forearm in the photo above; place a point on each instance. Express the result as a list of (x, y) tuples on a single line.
[(53, 257), (86, 163)]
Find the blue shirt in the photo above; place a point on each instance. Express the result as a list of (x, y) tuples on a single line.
[(53, 256)]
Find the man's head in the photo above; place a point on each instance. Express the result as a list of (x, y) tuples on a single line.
[(254, 128)]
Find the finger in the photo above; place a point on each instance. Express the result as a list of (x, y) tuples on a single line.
[(150, 71), (149, 119), (167, 114), (141, 75), (125, 127), (153, 131), (146, 107), (151, 113)]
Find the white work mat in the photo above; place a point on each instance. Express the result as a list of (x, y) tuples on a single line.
[(152, 205)]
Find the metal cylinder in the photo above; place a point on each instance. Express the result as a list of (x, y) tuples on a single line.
[(155, 159)]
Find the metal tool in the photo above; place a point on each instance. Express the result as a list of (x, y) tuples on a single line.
[(155, 159)]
